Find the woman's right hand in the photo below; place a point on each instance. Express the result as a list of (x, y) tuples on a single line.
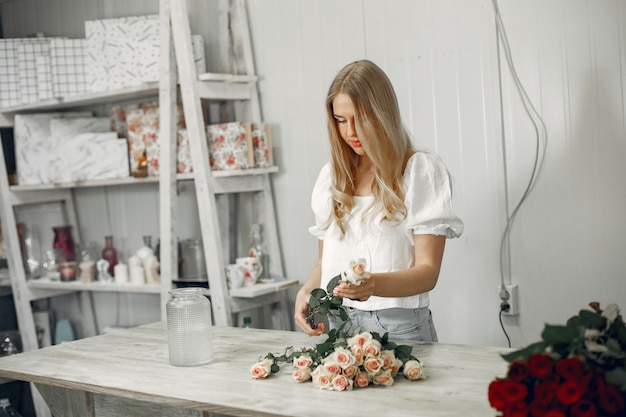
[(302, 310)]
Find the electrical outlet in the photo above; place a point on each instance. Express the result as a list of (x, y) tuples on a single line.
[(513, 300)]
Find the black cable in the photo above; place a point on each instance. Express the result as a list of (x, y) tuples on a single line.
[(504, 306)]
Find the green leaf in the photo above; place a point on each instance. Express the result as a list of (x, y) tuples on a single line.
[(275, 368), (318, 293), (525, 353), (336, 301), (592, 319), (558, 335), (403, 352), (617, 376), (613, 345), (333, 283), (343, 314)]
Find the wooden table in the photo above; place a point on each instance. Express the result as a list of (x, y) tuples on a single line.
[(127, 373)]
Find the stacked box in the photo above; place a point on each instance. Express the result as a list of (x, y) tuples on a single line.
[(262, 145), (230, 146), (33, 147), (140, 124), (28, 54), (125, 51), (184, 163), (67, 63), (44, 78), (9, 71)]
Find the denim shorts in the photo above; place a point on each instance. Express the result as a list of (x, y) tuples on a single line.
[(401, 323)]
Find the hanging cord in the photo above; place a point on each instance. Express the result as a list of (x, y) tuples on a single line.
[(540, 138)]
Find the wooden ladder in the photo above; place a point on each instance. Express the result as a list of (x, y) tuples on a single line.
[(177, 62)]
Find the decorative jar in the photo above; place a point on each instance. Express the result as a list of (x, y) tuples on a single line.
[(189, 327)]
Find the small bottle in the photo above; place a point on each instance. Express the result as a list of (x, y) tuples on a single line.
[(257, 250), (110, 254), (7, 410), (247, 322)]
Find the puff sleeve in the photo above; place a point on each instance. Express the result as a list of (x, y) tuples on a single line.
[(321, 202), (428, 198)]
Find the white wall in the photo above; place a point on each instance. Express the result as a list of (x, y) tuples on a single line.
[(441, 56)]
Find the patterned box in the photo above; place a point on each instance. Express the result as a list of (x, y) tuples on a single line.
[(9, 71), (67, 62), (140, 124), (230, 146), (125, 51), (262, 145), (44, 78), (184, 163), (28, 54)]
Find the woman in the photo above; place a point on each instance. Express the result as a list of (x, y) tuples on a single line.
[(381, 200)]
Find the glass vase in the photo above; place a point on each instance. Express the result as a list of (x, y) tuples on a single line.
[(110, 254), (189, 328), (64, 241)]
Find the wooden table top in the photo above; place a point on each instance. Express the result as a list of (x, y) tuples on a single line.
[(133, 363)]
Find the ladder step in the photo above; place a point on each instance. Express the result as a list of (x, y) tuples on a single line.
[(230, 78)]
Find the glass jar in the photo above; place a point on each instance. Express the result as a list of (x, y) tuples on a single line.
[(189, 327)]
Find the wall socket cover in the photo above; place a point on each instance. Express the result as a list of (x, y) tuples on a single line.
[(513, 299)]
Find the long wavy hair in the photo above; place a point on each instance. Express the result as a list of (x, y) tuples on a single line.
[(382, 135)]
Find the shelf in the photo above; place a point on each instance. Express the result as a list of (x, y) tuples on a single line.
[(47, 284), (228, 78), (101, 97), (262, 288), (133, 180)]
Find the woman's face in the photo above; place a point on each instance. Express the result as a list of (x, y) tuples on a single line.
[(343, 111)]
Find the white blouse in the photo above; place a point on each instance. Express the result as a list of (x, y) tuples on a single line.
[(386, 246)]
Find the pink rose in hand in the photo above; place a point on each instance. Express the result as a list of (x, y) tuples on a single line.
[(356, 274)]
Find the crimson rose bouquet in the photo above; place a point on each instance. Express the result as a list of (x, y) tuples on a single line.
[(577, 370), (343, 360)]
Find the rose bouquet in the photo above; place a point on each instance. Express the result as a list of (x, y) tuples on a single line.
[(344, 361), (576, 370)]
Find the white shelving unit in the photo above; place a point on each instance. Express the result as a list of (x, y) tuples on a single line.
[(208, 184)]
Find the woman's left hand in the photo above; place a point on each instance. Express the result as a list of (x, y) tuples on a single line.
[(356, 292)]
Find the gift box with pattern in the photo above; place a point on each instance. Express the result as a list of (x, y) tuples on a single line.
[(230, 146), (125, 51), (262, 145), (28, 54), (67, 64), (140, 124), (10, 90)]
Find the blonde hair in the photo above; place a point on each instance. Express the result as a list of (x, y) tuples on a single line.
[(382, 135)]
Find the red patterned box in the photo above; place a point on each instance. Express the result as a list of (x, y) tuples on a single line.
[(230, 146)]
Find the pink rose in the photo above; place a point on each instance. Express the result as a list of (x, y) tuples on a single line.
[(332, 367), (373, 365), (303, 361), (351, 371), (261, 370), (341, 383), (356, 274), (384, 378), (359, 339), (395, 367), (372, 347), (321, 379), (359, 354), (388, 357), (413, 370), (301, 374), (343, 357), (362, 380)]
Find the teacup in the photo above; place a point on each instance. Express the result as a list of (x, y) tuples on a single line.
[(236, 276), (252, 269)]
